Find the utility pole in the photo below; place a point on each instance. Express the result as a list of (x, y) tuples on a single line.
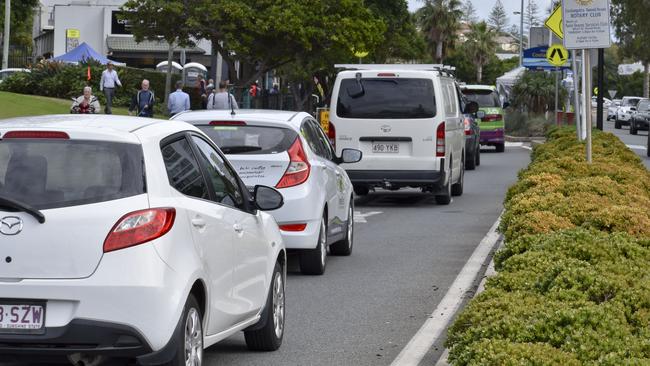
[(5, 45), (521, 35)]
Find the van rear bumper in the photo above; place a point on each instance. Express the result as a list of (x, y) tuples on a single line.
[(398, 178)]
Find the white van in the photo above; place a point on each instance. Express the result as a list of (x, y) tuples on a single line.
[(407, 120)]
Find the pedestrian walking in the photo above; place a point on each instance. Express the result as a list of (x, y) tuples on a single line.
[(201, 86), (85, 104), (222, 99), (179, 101), (107, 84), (143, 101)]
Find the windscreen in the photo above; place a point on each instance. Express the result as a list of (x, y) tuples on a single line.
[(644, 106), (386, 98), (484, 98), (250, 139), (60, 173)]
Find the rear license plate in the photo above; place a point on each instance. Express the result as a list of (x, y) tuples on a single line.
[(385, 148), (18, 318)]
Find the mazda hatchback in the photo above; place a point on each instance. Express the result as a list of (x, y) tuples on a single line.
[(131, 238)]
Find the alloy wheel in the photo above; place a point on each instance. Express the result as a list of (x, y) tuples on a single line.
[(193, 339), (278, 305)]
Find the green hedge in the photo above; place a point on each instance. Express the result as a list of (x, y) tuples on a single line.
[(58, 80), (573, 282)]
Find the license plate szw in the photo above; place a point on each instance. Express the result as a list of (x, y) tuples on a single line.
[(21, 317)]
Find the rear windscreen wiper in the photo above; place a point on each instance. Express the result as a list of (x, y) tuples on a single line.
[(13, 204)]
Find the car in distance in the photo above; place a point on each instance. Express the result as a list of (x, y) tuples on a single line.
[(5, 73), (472, 138), (641, 117), (290, 151), (612, 109), (493, 123), (131, 238), (624, 112), (407, 121)]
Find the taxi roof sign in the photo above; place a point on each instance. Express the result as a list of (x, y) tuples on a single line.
[(554, 22)]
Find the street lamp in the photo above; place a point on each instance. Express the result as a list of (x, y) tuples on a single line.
[(521, 33), (5, 46)]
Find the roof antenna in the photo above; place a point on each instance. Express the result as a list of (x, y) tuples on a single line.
[(232, 108)]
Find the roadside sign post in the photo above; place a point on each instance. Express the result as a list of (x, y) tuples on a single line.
[(601, 87), (576, 94), (557, 56), (586, 25)]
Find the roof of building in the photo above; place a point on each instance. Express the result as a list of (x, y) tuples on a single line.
[(128, 44)]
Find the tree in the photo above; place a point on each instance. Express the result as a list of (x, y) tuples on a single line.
[(535, 92), (531, 16), (630, 18), (158, 20), (439, 20), (498, 18), (402, 41), (469, 12), (22, 15), (480, 45)]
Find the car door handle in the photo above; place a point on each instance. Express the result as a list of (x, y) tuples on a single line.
[(199, 223), (238, 228)]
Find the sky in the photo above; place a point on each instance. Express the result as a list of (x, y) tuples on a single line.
[(483, 7)]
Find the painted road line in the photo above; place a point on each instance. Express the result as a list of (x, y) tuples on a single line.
[(360, 217), (518, 144), (637, 147), (433, 328)]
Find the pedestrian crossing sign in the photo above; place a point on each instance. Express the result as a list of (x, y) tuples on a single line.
[(557, 55)]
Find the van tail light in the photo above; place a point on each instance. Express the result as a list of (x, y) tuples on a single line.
[(293, 227), (468, 127), (440, 140), (492, 118), (331, 133), (139, 227), (36, 135), (299, 168)]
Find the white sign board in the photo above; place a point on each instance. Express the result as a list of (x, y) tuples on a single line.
[(586, 24)]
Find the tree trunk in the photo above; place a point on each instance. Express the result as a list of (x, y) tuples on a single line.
[(646, 79), (479, 73), (168, 78), (439, 51)]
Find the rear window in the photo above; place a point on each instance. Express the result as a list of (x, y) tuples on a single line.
[(250, 139), (386, 98), (630, 102), (59, 173), (644, 105), (484, 98)]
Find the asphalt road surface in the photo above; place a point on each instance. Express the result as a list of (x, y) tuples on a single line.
[(638, 143), (408, 250)]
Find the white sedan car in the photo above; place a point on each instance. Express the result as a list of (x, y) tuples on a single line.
[(290, 151), (131, 238)]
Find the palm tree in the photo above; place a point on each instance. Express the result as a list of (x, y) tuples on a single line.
[(439, 20), (480, 45)]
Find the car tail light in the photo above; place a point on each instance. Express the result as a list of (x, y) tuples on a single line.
[(36, 135), (331, 133), (299, 168), (384, 74), (440, 140), (139, 227), (227, 123), (492, 118), (468, 126), (293, 227)]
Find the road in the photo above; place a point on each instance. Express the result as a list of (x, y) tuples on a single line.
[(638, 143)]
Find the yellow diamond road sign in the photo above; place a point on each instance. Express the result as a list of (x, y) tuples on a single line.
[(557, 55), (554, 22)]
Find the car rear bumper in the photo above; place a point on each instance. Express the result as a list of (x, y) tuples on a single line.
[(623, 118), (398, 178), (493, 137), (641, 125)]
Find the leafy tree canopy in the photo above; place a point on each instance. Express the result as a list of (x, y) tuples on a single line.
[(22, 15), (498, 18)]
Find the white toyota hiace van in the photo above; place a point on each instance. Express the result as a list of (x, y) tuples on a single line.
[(407, 120)]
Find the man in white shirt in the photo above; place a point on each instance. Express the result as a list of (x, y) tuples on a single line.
[(179, 101), (222, 99), (108, 83)]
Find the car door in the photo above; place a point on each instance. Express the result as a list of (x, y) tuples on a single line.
[(211, 230), (453, 126), (322, 162), (251, 245)]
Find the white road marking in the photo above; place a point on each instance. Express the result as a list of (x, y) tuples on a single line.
[(518, 144), (431, 330), (637, 147), (360, 217)]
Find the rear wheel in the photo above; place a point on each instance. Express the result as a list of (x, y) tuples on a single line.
[(478, 156), (470, 162), (361, 190), (457, 189), (648, 146), (190, 336), (344, 247), (269, 337), (617, 124), (633, 129), (501, 147), (445, 198), (314, 261)]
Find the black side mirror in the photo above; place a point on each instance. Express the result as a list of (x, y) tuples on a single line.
[(471, 108), (350, 156), (267, 198), (633, 108)]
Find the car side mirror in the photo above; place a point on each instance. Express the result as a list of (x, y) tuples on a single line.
[(633, 108), (506, 105), (267, 198), (349, 156), (480, 114), (471, 108)]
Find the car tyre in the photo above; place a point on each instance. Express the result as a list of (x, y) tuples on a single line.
[(269, 337), (617, 124), (648, 146), (344, 247), (189, 338), (314, 261), (457, 188), (501, 147), (478, 156), (361, 190), (633, 129), (445, 199), (470, 162)]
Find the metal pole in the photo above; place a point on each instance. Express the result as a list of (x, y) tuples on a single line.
[(557, 93), (521, 35), (587, 93), (576, 93), (601, 88), (5, 45)]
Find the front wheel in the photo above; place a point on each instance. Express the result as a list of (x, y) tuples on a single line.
[(190, 336), (314, 261), (501, 147), (269, 337), (633, 129), (617, 124), (344, 247)]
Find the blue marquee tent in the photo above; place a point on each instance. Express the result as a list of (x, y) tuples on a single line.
[(82, 53)]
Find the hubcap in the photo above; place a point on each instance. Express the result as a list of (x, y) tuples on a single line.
[(278, 305), (323, 242), (193, 339)]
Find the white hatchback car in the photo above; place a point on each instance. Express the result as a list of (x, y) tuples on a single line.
[(131, 237), (289, 151)]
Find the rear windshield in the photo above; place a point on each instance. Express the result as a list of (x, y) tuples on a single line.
[(643, 106), (630, 102), (60, 173), (484, 98), (386, 98), (250, 139)]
